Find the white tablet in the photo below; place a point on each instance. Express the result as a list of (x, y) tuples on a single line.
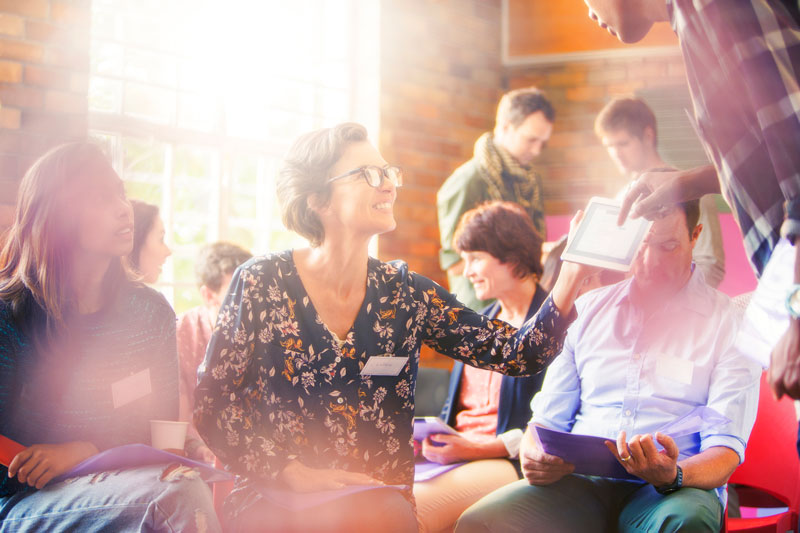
[(430, 425), (600, 242)]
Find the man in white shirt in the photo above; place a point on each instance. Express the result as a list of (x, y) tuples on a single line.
[(643, 353)]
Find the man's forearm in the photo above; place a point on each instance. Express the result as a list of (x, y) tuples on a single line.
[(709, 469), (699, 181)]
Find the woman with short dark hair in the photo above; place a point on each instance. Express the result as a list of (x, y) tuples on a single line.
[(501, 251), (308, 383)]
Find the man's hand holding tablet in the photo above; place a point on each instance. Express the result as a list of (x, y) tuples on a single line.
[(600, 241)]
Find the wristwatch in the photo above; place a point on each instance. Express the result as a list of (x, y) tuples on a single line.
[(675, 485), (793, 301)]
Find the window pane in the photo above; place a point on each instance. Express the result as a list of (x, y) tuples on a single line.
[(105, 95), (150, 103), (192, 162), (244, 237), (144, 159), (197, 127), (151, 67), (191, 198), (184, 266), (197, 112), (193, 232), (146, 192), (185, 299)]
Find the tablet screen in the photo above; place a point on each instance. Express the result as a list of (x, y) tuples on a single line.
[(601, 242)]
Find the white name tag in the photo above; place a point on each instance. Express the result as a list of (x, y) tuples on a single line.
[(131, 388), (384, 366), (676, 369)]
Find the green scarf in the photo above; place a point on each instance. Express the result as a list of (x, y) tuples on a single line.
[(509, 181)]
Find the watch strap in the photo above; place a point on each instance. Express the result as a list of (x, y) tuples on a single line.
[(792, 303), (675, 485)]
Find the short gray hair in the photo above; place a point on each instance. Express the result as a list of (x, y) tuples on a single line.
[(305, 172)]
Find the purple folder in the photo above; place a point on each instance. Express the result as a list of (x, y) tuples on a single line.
[(424, 426), (304, 500), (589, 454), (133, 455), (425, 470)]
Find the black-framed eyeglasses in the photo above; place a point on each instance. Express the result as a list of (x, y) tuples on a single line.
[(374, 175)]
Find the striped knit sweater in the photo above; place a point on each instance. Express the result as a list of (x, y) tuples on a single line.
[(68, 396)]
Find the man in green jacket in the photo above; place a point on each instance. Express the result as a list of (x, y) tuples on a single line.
[(500, 169)]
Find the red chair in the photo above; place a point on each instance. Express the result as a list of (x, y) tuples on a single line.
[(770, 474)]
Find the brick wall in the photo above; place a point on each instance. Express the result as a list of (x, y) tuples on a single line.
[(44, 63), (441, 77), (575, 166)]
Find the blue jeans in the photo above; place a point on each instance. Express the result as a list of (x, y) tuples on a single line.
[(141, 499)]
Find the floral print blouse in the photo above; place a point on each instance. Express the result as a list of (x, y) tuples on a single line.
[(276, 386)]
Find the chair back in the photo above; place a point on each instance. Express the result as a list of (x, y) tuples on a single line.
[(431, 393), (771, 462)]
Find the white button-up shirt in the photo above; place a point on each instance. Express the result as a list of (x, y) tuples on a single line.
[(621, 371)]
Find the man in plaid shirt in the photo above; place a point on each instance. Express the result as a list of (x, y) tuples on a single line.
[(742, 61)]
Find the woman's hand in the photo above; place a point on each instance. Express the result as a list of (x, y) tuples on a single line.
[(38, 464), (572, 275), (301, 478), (578, 271), (445, 449)]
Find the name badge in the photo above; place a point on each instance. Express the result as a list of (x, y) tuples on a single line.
[(676, 369), (131, 388), (384, 366)]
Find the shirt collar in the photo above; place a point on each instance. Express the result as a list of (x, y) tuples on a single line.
[(691, 296)]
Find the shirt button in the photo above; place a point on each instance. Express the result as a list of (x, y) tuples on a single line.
[(340, 400), (627, 411), (338, 359)]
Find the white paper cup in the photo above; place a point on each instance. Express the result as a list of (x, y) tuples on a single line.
[(168, 434)]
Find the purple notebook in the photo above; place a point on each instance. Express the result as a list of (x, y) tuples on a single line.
[(425, 470), (589, 454), (304, 500), (133, 455), (425, 426)]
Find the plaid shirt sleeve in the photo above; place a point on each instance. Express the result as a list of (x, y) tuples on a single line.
[(743, 63)]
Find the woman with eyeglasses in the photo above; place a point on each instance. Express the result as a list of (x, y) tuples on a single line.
[(308, 383)]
